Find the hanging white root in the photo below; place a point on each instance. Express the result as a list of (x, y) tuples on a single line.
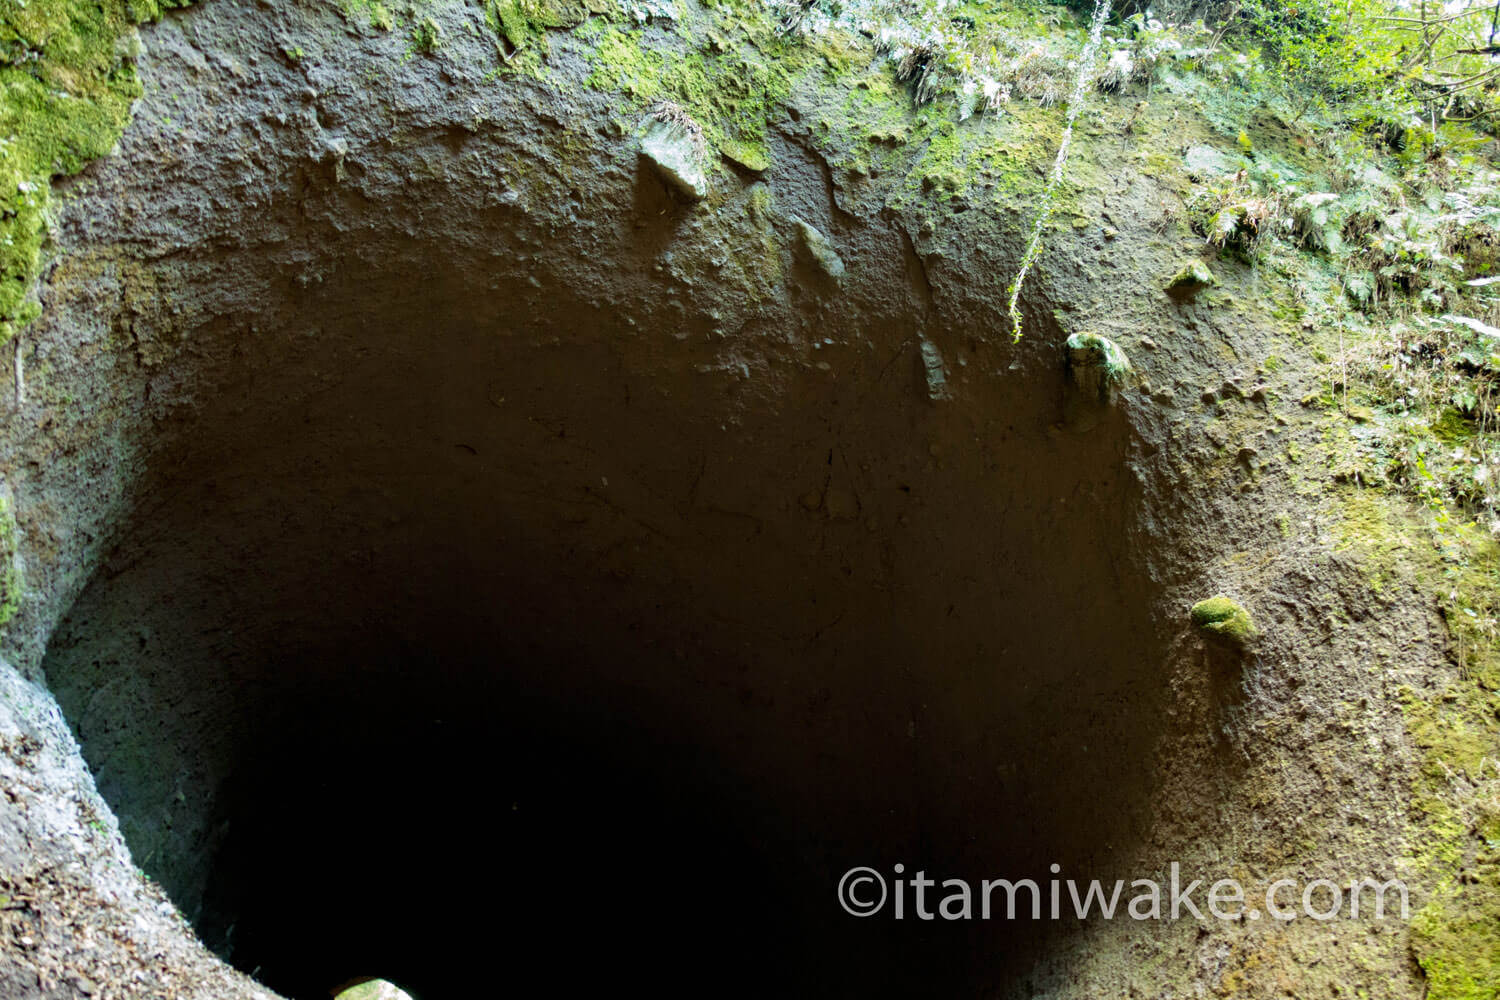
[(1044, 213)]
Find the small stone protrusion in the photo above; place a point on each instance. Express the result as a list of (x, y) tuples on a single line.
[(747, 157), (1097, 365), (677, 157), (934, 371), (820, 248), (1225, 621), (1192, 279), (1096, 368)]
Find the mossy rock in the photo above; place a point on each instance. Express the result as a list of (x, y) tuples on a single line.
[(427, 36), (733, 92), (1224, 620), (1097, 365), (1089, 350), (1192, 279), (750, 157), (374, 989)]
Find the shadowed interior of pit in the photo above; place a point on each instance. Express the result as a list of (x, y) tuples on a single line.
[(459, 838), (491, 656)]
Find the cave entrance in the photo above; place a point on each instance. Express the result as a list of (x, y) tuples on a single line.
[(512, 651)]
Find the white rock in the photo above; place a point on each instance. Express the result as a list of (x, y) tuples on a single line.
[(676, 157)]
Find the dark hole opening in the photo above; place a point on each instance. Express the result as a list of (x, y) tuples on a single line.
[(606, 686)]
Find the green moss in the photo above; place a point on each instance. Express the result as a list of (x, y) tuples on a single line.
[(1194, 277), (1223, 619), (370, 12), (948, 166), (1367, 530), (752, 156), (763, 266), (67, 81), (1456, 791), (1457, 939), (997, 163), (11, 583), (619, 62), (1452, 427), (426, 36), (523, 22), (1456, 935), (1160, 164), (732, 94), (375, 989), (877, 115), (1100, 353)]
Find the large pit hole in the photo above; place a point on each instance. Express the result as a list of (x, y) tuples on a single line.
[(473, 640)]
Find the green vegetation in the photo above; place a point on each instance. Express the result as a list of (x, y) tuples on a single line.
[(426, 36), (373, 13), (1223, 619), (1100, 353), (524, 22), (1457, 935), (1455, 795), (731, 91), (1082, 78), (1383, 57), (1193, 277), (68, 78), (11, 582), (1321, 61)]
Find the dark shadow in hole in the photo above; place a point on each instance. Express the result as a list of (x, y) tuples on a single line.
[(988, 702), (511, 843)]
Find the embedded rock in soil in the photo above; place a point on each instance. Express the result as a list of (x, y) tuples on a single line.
[(677, 158)]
